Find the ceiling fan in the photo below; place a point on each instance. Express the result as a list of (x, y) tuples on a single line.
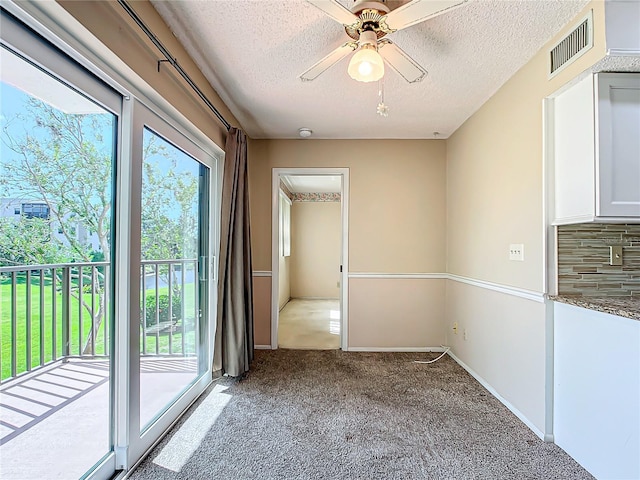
[(367, 23)]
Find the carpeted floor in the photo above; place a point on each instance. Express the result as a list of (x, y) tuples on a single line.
[(341, 415)]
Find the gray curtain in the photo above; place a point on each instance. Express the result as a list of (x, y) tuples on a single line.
[(233, 349)]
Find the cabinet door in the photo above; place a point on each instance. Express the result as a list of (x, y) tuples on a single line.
[(573, 139), (618, 145)]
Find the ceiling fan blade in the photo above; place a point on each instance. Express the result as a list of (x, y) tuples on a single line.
[(335, 10), (402, 63), (418, 11), (328, 61)]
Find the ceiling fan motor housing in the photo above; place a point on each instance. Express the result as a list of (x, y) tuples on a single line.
[(360, 5), (370, 16)]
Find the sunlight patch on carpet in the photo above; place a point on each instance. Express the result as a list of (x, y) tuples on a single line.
[(184, 443)]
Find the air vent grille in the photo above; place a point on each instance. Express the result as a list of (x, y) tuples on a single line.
[(567, 50)]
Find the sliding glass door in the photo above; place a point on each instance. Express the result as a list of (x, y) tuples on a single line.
[(108, 221), (172, 363)]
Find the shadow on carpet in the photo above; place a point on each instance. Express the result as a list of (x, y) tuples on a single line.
[(341, 415)]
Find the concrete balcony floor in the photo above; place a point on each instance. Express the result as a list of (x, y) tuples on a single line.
[(54, 422)]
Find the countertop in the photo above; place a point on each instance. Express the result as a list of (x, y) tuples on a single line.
[(628, 307)]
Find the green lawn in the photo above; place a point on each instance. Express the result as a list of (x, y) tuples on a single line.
[(148, 343), (42, 322)]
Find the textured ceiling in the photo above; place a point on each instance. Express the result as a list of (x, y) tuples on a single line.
[(313, 183), (252, 52)]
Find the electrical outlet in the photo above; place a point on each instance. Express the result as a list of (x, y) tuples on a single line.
[(615, 255), (455, 328), (464, 334), (516, 252)]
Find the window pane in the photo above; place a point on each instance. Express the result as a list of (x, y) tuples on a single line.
[(56, 180), (173, 184)]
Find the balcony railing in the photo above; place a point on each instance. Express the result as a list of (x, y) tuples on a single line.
[(53, 312), (169, 307)]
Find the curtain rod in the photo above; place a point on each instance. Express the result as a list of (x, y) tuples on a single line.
[(169, 58)]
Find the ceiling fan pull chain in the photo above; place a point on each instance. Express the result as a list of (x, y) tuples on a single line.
[(382, 109)]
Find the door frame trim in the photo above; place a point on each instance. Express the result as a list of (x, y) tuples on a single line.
[(275, 229)]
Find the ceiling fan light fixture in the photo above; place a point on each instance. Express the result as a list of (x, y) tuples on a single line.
[(367, 65)]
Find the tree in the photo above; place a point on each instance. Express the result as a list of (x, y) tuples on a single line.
[(66, 160), (63, 160), (164, 186), (28, 241), (176, 226)]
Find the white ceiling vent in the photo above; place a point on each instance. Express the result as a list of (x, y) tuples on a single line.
[(573, 46)]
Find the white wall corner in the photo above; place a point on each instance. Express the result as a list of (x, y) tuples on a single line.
[(502, 400)]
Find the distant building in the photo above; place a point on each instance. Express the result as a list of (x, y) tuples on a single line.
[(20, 208)]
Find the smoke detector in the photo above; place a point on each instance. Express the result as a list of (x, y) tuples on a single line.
[(305, 132)]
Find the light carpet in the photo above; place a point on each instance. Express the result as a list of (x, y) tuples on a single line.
[(342, 415)]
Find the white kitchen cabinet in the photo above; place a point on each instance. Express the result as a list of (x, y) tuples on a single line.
[(596, 150)]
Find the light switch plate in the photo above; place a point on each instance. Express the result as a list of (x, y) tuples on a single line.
[(516, 252), (615, 255)]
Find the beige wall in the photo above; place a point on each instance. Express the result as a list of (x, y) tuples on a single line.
[(494, 176), (396, 313), (396, 213), (494, 198), (316, 242), (262, 310), (397, 199)]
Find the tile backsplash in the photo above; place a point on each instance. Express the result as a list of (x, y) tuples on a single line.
[(583, 260)]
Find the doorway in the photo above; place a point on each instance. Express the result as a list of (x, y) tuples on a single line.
[(309, 258)]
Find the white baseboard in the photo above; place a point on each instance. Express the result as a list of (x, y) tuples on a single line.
[(493, 392), (262, 347), (397, 349)]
